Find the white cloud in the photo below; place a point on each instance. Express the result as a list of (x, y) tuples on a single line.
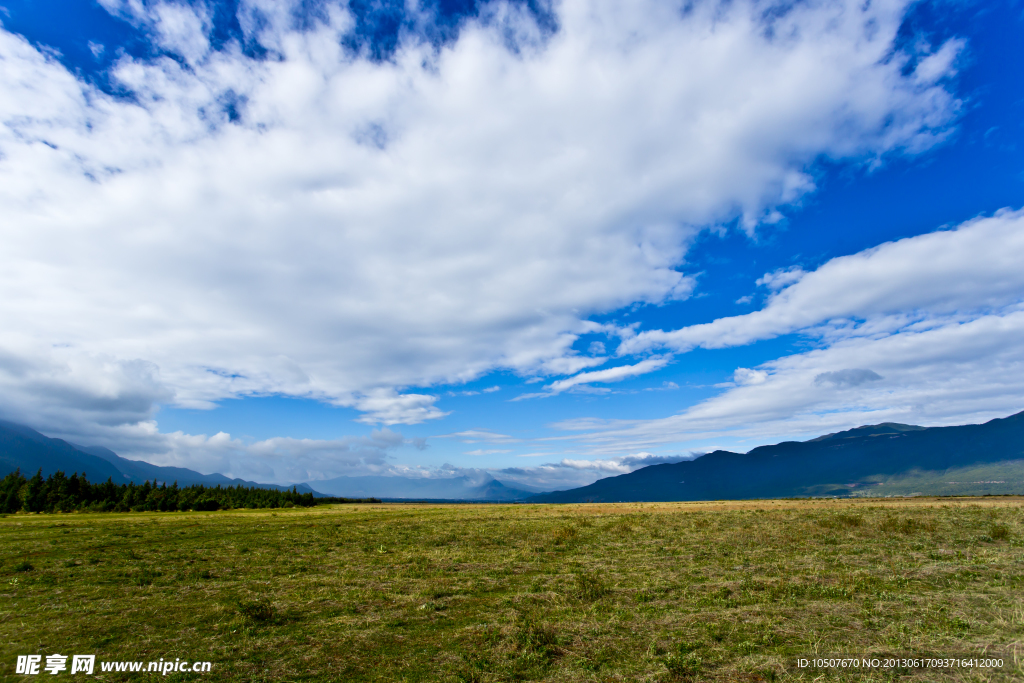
[(970, 269), (182, 29), (178, 28), (940, 63), (479, 435), (665, 386), (744, 376), (366, 227), (781, 278), (616, 374), (621, 465), (385, 406)]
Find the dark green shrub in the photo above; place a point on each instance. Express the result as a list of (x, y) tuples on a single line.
[(590, 587), (259, 609), (684, 666), (146, 577), (541, 639)]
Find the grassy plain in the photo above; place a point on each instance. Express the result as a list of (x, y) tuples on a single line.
[(624, 592)]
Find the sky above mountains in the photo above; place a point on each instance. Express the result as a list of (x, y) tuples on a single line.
[(553, 242)]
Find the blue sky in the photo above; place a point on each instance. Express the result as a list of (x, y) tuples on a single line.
[(549, 242)]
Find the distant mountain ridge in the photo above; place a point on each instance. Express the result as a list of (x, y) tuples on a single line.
[(887, 458), (435, 488), (867, 458), (883, 429), (26, 449)]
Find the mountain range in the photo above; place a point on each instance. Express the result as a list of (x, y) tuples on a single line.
[(408, 488), (874, 460), (26, 449), (877, 460)]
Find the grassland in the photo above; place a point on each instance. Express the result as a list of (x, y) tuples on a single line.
[(646, 592)]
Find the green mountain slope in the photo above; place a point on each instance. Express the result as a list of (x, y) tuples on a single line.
[(886, 459), (28, 450)]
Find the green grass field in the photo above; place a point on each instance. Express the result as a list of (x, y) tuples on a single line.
[(646, 592)]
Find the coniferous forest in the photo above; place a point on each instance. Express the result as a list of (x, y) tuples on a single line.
[(60, 493)]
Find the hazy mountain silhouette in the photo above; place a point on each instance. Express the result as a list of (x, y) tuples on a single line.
[(419, 488)]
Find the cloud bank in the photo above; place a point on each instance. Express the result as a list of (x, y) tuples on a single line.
[(924, 330), (318, 223), (968, 270)]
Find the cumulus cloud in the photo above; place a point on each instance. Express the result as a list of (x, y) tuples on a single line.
[(179, 28), (58, 389), (322, 225), (385, 406)]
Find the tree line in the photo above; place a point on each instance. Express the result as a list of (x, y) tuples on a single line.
[(60, 493)]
